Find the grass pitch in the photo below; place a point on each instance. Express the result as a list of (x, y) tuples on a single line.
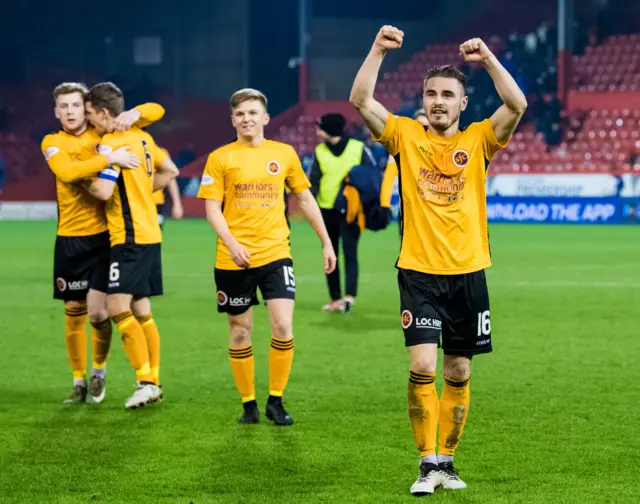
[(554, 410)]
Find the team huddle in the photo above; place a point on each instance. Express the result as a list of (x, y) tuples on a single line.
[(108, 264), (107, 260)]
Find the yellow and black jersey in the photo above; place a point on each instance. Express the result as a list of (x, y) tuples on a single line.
[(72, 158), (131, 211), (443, 195), (250, 181)]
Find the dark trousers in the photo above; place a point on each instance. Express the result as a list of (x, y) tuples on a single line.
[(337, 228)]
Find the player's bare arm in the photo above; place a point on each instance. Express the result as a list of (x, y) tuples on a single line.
[(177, 211), (164, 174), (239, 252), (505, 120), (373, 112), (312, 212), (102, 188)]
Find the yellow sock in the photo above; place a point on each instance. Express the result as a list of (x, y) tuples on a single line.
[(153, 344), (423, 411), (280, 360), (242, 367), (101, 333), (76, 340), (135, 345), (454, 407)]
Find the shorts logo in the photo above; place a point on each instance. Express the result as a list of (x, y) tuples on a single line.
[(81, 285), (429, 323), (63, 285), (407, 319), (222, 298), (273, 167), (460, 158), (239, 301)]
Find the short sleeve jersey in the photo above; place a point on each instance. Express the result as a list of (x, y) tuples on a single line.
[(131, 210), (443, 195), (250, 181)]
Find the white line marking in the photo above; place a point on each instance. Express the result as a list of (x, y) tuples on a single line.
[(208, 278)]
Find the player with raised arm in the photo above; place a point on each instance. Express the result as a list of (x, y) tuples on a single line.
[(445, 240), (135, 270), (244, 188), (81, 257)]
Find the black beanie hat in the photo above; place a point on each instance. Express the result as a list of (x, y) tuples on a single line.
[(332, 124)]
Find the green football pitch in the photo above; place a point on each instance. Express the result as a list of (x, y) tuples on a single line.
[(554, 412)]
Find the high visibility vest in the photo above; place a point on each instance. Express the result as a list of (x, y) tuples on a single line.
[(334, 169)]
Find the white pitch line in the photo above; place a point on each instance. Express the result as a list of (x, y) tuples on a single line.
[(208, 278), (567, 283)]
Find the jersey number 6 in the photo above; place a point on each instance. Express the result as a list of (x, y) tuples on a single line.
[(114, 272)]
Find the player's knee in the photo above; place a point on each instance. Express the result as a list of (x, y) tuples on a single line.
[(116, 306), (423, 366), (282, 329), (457, 368), (424, 358), (240, 336), (75, 304), (97, 315), (141, 307), (240, 331)]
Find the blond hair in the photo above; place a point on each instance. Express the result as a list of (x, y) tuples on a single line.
[(68, 88), (247, 94)]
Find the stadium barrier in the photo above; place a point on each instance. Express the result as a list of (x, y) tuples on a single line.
[(564, 198), (28, 210), (563, 210), (560, 198), (548, 198)]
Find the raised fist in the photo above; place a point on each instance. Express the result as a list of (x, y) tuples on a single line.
[(388, 38), (475, 51)]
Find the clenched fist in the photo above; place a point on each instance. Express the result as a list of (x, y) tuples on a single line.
[(388, 38), (475, 51)]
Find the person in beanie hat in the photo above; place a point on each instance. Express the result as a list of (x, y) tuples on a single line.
[(334, 158)]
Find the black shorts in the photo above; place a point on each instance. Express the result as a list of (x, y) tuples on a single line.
[(237, 289), (456, 306), (80, 263), (135, 269)]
